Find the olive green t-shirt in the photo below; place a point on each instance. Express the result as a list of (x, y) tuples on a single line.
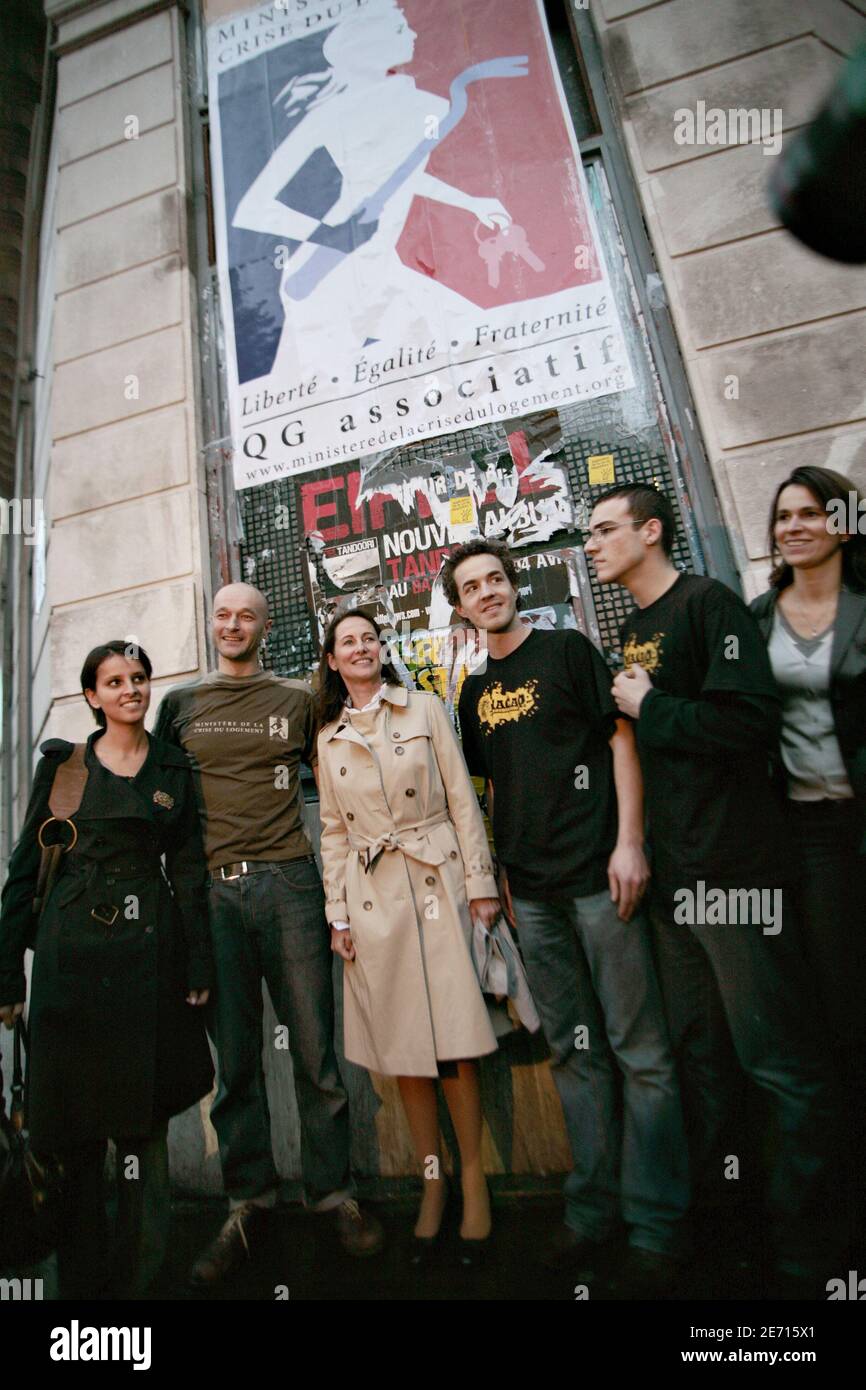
[(245, 737)]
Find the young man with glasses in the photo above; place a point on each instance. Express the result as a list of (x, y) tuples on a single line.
[(246, 732), (698, 686), (565, 798)]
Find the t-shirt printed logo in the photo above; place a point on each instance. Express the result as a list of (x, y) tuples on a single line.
[(647, 654), (278, 727), (497, 706)]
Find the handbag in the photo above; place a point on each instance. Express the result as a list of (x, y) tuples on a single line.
[(31, 1186), (501, 972), (67, 792)]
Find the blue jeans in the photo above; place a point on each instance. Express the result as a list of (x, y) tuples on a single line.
[(272, 924), (586, 967)]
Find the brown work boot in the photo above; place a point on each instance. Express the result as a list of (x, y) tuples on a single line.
[(360, 1232), (230, 1248)]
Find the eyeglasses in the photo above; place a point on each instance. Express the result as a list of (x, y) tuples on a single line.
[(600, 533)]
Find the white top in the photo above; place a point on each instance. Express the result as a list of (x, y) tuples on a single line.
[(371, 704), (810, 749)]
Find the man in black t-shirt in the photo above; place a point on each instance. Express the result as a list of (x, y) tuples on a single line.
[(698, 684), (564, 793)]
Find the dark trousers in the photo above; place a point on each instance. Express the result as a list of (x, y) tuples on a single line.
[(271, 925), (730, 987), (831, 921), (831, 936), (143, 1213)]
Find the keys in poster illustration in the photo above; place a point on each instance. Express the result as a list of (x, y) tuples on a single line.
[(507, 241)]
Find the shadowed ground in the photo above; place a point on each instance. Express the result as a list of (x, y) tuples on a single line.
[(305, 1258)]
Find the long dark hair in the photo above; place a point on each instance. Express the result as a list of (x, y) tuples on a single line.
[(331, 692), (826, 486), (94, 660)]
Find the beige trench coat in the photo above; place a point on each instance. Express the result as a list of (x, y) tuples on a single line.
[(412, 992)]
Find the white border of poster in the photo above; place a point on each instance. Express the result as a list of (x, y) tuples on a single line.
[(337, 348)]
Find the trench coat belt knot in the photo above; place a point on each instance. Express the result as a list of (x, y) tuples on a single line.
[(369, 851)]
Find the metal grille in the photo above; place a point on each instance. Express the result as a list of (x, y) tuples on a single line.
[(595, 431), (270, 547)]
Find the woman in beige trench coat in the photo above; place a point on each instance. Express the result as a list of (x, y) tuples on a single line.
[(406, 867)]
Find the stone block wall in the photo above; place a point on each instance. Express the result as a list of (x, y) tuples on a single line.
[(773, 336), (128, 544)]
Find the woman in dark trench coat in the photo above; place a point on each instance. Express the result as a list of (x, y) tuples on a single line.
[(121, 969)]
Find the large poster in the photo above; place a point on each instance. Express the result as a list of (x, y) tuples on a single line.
[(391, 520), (377, 532), (404, 237)]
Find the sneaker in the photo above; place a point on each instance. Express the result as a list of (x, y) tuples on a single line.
[(359, 1232), (230, 1248), (569, 1253), (644, 1274)]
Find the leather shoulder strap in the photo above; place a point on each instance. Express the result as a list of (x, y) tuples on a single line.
[(70, 779)]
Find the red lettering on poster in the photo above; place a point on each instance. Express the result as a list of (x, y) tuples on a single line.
[(314, 509), (355, 512)]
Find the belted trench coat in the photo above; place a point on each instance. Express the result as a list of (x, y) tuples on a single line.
[(403, 851), (114, 1046)]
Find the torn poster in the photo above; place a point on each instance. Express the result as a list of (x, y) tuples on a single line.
[(340, 569), (554, 590), (394, 521), (377, 540), (395, 261), (506, 487)]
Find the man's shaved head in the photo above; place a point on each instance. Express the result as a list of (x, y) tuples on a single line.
[(241, 596), (240, 623)]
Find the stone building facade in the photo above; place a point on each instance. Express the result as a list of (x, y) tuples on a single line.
[(110, 427), (771, 334)]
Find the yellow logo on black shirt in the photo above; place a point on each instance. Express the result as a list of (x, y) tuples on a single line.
[(497, 706), (646, 654)]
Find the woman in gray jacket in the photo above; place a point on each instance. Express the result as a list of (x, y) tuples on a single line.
[(813, 618)]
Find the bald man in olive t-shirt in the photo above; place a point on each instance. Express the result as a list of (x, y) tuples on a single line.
[(246, 737), (246, 732)]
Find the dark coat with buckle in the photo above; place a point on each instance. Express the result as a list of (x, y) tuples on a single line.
[(114, 1046)]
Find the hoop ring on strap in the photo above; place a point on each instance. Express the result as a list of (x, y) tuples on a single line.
[(65, 848)]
